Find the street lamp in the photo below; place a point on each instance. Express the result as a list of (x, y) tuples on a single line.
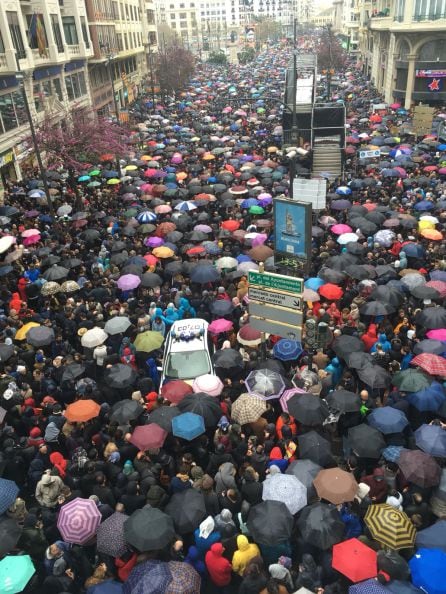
[(110, 57), (152, 80), (20, 76)]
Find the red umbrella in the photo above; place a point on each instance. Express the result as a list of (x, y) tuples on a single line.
[(331, 291), (199, 249), (82, 410), (175, 391), (146, 437), (355, 560), (230, 225), (433, 364)]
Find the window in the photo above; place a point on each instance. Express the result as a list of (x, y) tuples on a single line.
[(57, 34), (32, 34), (16, 34), (85, 36), (2, 45), (119, 38), (38, 97), (429, 10), (76, 85), (57, 88), (70, 31)]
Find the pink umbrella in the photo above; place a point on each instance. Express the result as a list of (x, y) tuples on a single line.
[(209, 384), (146, 187), (31, 240), (437, 334), (395, 105), (203, 228), (340, 228), (442, 170), (259, 239), (78, 520), (150, 172), (220, 325), (287, 395), (129, 282), (177, 159), (163, 209), (146, 437), (439, 286), (153, 242), (30, 232)]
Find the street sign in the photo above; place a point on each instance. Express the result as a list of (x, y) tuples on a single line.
[(276, 282), (274, 298), (278, 314), (311, 190), (370, 154), (272, 327)]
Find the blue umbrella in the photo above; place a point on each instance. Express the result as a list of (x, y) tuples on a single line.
[(432, 440), (185, 206), (424, 205), (343, 190), (314, 283), (433, 537), (110, 174), (392, 453), (107, 587), (287, 350), (83, 178), (150, 577), (429, 399), (188, 426), (340, 204), (413, 250), (243, 258), (146, 216), (249, 202), (367, 587), (427, 568), (387, 420), (441, 147), (400, 587), (438, 275), (205, 274), (8, 494)]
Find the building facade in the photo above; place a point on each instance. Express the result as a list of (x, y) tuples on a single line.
[(49, 43), (402, 46)]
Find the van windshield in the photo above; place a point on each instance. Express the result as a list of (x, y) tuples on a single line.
[(187, 365)]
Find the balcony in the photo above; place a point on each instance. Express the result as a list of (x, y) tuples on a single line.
[(380, 23), (3, 62), (38, 59), (418, 18), (74, 50)]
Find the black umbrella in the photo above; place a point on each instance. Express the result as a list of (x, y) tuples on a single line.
[(90, 235), (50, 261), (6, 352), (344, 345), (315, 447), (163, 416), (40, 336), (341, 262), (150, 279), (361, 223), (55, 273), (221, 307), (187, 510), (308, 409), (393, 564), (72, 372), (119, 259), (331, 276), (125, 411), (321, 525), (374, 376), (71, 263), (432, 318), (387, 294), (149, 529), (205, 274), (270, 522), (358, 271), (434, 347), (204, 405), (359, 360), (227, 359), (344, 401), (119, 376), (173, 268), (423, 292), (366, 441), (306, 471), (376, 308), (10, 533), (355, 248)]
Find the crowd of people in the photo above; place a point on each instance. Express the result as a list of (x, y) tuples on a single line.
[(293, 469)]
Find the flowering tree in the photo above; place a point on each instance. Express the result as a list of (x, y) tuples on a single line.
[(174, 68), (330, 54)]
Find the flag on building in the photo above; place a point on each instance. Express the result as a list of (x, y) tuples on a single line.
[(37, 35)]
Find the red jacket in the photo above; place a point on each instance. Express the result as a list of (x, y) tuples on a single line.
[(125, 567), (218, 567), (370, 337)]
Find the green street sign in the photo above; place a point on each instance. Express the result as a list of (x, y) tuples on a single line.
[(276, 282)]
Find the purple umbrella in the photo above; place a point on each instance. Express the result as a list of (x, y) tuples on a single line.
[(78, 520), (129, 282), (341, 204), (203, 228), (110, 536), (287, 395), (154, 242)]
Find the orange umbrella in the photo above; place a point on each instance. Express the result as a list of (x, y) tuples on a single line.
[(107, 157), (82, 410), (230, 225), (432, 234)]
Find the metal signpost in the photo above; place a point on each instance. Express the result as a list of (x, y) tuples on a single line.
[(371, 154)]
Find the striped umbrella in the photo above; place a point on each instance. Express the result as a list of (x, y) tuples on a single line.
[(146, 216), (389, 526), (78, 520)]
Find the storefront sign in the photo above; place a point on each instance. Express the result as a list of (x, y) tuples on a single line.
[(6, 158), (435, 85), (292, 229), (441, 73)]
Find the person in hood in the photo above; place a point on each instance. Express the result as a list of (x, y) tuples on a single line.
[(370, 337), (310, 574), (254, 577), (225, 478), (219, 568), (59, 463), (377, 484), (225, 524), (282, 575), (245, 551), (48, 489), (193, 558)]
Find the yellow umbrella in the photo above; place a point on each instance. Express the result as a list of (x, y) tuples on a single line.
[(389, 526), (23, 331), (113, 181), (163, 252), (425, 225), (146, 158), (208, 157), (131, 168), (272, 149)]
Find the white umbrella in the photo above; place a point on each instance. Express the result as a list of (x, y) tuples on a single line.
[(209, 384), (246, 266), (287, 489), (94, 337), (6, 242), (117, 325), (385, 237), (226, 263), (347, 238), (65, 209), (429, 218), (413, 279)]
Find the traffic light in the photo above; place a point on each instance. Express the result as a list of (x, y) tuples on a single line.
[(310, 333), (322, 335)]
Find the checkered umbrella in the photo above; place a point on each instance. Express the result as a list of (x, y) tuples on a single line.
[(185, 580), (8, 493), (287, 489), (78, 520), (110, 536), (389, 526), (247, 409), (150, 577), (433, 364), (368, 587)]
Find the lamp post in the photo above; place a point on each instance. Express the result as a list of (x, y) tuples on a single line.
[(152, 80), (110, 57), (20, 76)]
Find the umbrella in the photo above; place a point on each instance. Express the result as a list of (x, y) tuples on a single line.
[(315, 448), (55, 273), (188, 426), (432, 318), (109, 586), (376, 308), (247, 409), (50, 288), (94, 337), (221, 325), (72, 372), (204, 274), (151, 280), (174, 391), (15, 573), (204, 405), (10, 533), (149, 577), (335, 485), (433, 537), (286, 489), (411, 380), (435, 347), (387, 294), (306, 471), (125, 411), (432, 440), (149, 529), (287, 350), (69, 286), (117, 325), (78, 520), (6, 352), (429, 399), (185, 580), (355, 560), (389, 526), (331, 291), (40, 336), (163, 416), (110, 536), (419, 468), (344, 401), (427, 569), (221, 307), (146, 437), (23, 331), (265, 383), (374, 376), (431, 363), (209, 384), (227, 359), (8, 494), (82, 410), (344, 345), (248, 336), (368, 587), (148, 341), (387, 420), (187, 509), (270, 522), (308, 409), (365, 441), (119, 376), (320, 525), (129, 282)]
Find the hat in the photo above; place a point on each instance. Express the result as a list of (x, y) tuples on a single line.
[(39, 358), (8, 394), (221, 290), (410, 334), (114, 457), (82, 331), (285, 561), (363, 491), (35, 432), (48, 400), (136, 395), (206, 527), (21, 368)]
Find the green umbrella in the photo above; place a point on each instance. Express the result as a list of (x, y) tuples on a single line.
[(148, 341), (15, 573), (130, 212), (94, 172), (93, 184), (411, 380), (256, 209)]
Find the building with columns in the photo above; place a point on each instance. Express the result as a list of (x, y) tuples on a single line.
[(49, 42), (402, 47)]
